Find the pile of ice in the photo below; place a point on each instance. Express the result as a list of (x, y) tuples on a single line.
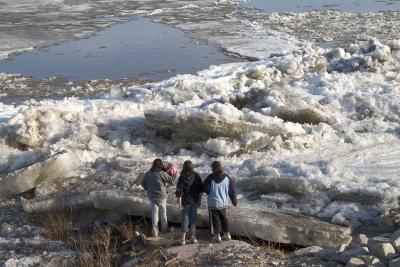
[(329, 27), (294, 129)]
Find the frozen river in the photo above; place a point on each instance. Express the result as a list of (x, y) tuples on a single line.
[(60, 36), (302, 128), (357, 6)]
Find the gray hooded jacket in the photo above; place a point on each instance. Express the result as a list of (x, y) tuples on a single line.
[(155, 183)]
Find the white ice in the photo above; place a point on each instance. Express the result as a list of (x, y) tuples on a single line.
[(320, 126)]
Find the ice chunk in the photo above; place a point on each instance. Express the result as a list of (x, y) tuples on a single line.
[(362, 196), (291, 186), (198, 125), (267, 225), (57, 167)]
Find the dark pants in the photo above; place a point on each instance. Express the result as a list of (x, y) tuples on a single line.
[(219, 222)]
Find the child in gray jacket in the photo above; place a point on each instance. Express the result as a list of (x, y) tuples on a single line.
[(155, 182)]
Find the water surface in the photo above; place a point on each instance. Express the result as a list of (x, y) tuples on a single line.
[(140, 48)]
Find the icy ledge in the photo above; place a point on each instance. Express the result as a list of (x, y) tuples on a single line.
[(267, 225)]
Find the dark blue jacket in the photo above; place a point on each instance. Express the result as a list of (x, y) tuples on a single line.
[(189, 188)]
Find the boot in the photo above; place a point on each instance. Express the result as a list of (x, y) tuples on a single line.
[(183, 240), (227, 237), (193, 237), (154, 231), (216, 238)]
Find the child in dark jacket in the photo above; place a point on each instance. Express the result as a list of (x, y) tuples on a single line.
[(189, 191), (219, 188)]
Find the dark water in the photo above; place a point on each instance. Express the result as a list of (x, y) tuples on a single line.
[(307, 5), (140, 48)]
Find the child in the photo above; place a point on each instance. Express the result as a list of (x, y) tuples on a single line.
[(219, 188), (188, 191), (155, 182), (172, 169)]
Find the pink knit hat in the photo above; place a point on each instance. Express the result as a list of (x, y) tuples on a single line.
[(172, 169)]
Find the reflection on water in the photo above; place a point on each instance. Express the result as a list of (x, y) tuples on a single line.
[(138, 48), (306, 5)]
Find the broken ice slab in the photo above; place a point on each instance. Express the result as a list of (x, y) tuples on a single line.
[(56, 167), (292, 186), (198, 125), (362, 196), (267, 225)]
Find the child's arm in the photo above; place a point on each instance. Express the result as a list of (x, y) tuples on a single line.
[(180, 202), (232, 192), (200, 189), (169, 179), (178, 192), (144, 182), (207, 185), (199, 201)]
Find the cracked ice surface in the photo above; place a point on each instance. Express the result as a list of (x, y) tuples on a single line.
[(328, 27)]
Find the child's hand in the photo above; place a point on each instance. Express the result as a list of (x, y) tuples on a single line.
[(179, 200)]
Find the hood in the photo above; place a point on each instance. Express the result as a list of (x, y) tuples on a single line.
[(218, 177), (187, 177)]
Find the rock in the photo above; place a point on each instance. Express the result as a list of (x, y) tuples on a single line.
[(340, 219), (372, 261), (395, 240), (355, 262), (345, 256), (309, 251), (383, 251), (376, 240), (360, 240), (6, 228), (57, 167), (233, 253), (269, 225), (328, 254), (131, 263), (394, 263), (391, 218)]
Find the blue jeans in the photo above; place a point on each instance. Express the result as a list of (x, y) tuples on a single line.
[(159, 209), (189, 217)]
